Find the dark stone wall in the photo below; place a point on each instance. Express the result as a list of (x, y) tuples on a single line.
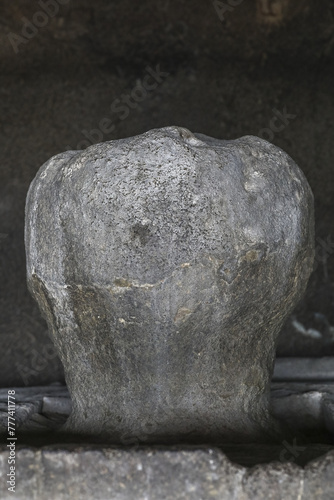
[(261, 67)]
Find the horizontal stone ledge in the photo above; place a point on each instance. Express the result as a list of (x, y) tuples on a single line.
[(87, 472), (304, 369), (303, 406)]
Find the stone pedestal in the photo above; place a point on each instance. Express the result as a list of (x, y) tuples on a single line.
[(165, 265)]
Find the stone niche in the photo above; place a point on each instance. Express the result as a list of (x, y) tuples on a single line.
[(227, 70)]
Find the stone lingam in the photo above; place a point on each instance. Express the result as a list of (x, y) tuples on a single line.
[(165, 265)]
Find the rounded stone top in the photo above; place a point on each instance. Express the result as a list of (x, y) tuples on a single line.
[(149, 203)]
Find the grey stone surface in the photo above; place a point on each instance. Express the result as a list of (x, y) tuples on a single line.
[(36, 408), (318, 478), (24, 413), (56, 406), (304, 369), (165, 265), (85, 472), (303, 411), (302, 407), (328, 413)]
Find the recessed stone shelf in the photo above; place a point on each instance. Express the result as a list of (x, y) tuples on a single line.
[(306, 408)]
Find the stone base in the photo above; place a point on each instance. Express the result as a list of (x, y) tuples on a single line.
[(51, 465), (86, 472)]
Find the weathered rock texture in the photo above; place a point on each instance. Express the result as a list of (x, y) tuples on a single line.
[(165, 265), (305, 408), (83, 473)]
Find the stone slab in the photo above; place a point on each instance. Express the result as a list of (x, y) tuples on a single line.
[(108, 473)]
